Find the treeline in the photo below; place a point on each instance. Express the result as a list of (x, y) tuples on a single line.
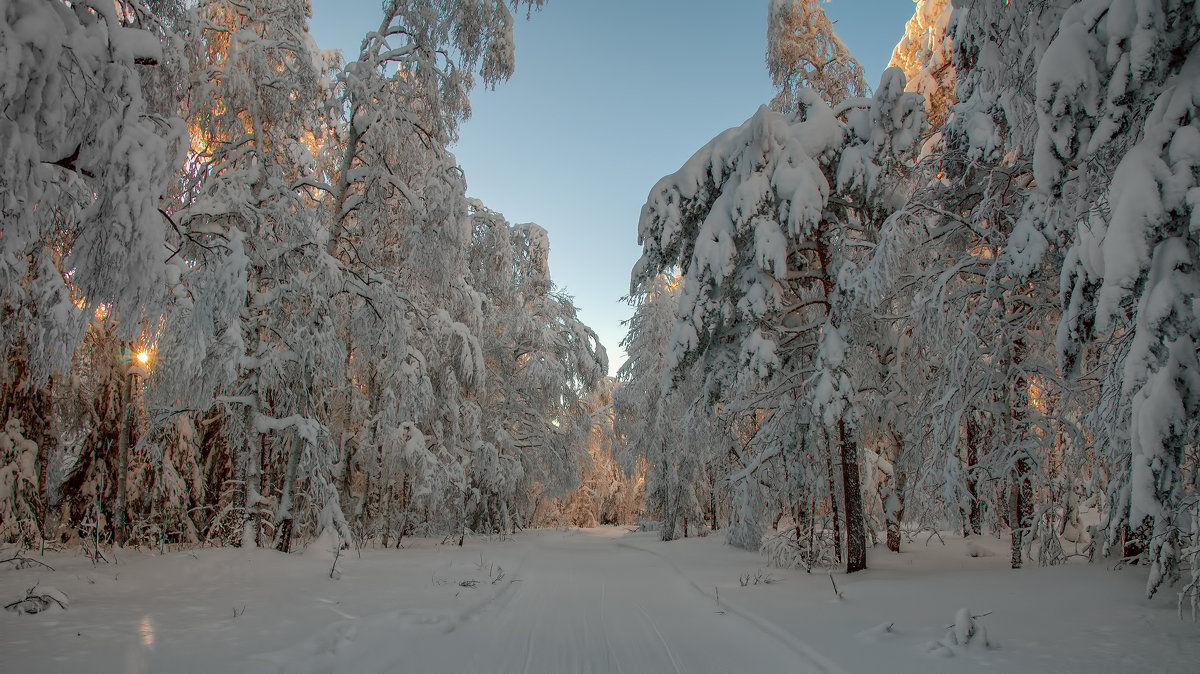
[(245, 296), (967, 301)]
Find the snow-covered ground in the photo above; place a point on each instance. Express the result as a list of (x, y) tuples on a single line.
[(584, 600)]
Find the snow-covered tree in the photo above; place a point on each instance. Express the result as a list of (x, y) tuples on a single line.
[(924, 54), (1117, 156), (979, 286), (607, 494), (541, 360), (250, 327), (85, 163), (761, 223), (803, 52), (83, 171), (402, 232)]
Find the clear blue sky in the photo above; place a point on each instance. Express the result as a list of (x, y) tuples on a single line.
[(608, 97)]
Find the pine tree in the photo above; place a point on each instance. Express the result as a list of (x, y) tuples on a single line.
[(1116, 155), (761, 223), (803, 52)]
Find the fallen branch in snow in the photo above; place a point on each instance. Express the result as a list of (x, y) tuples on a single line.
[(23, 562), (38, 600)]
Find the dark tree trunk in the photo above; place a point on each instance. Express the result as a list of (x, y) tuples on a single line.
[(250, 466), (801, 520), (1021, 501), (387, 515), (287, 506), (120, 523), (974, 519), (41, 432), (833, 504), (856, 535), (1021, 492)]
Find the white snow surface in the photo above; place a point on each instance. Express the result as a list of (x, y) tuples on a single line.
[(586, 600)]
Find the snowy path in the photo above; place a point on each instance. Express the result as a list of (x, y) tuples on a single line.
[(581, 601), (589, 603)]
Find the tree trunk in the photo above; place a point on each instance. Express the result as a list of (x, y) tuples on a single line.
[(387, 515), (801, 520), (1021, 501), (895, 511), (42, 432), (120, 525), (285, 523), (1021, 493), (856, 536), (251, 467), (405, 507), (974, 520), (833, 504), (713, 522)]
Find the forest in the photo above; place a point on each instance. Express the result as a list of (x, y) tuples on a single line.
[(245, 299)]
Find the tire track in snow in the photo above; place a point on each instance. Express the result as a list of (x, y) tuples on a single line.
[(805, 651), (612, 655), (661, 640), (504, 593), (528, 652)]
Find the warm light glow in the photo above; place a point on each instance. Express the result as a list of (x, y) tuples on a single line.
[(1037, 396), (146, 628), (143, 357), (982, 252)]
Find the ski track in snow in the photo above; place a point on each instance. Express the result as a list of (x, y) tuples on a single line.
[(816, 661), (577, 602), (589, 603)]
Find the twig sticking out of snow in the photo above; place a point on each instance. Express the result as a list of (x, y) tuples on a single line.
[(333, 570), (759, 577), (966, 630), (836, 591)]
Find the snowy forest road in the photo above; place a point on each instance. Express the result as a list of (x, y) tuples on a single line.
[(595, 600), (589, 602)]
